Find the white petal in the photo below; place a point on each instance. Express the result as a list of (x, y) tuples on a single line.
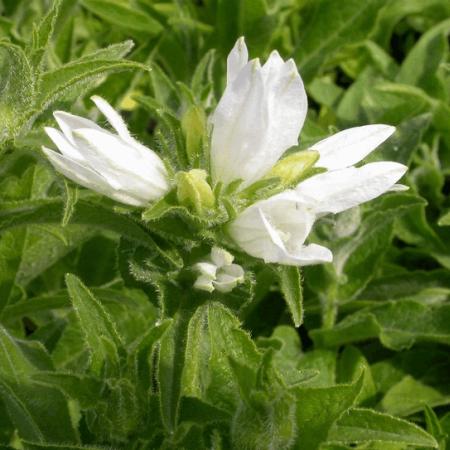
[(123, 165), (226, 283), (204, 283), (229, 277), (114, 118), (233, 270), (206, 269), (338, 190), (87, 177), (274, 229), (348, 147), (257, 119), (221, 257), (314, 254), (64, 145), (236, 60), (68, 122)]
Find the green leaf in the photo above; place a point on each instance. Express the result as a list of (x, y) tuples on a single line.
[(114, 52), (84, 389), (398, 325), (397, 10), (43, 33), (409, 395), (291, 288), (357, 257), (394, 102), (288, 355), (444, 220), (70, 77), (214, 335), (50, 211), (363, 425), (265, 400), (250, 18), (318, 408), (194, 410), (328, 27), (119, 14), (416, 285), (17, 88), (420, 67), (171, 358), (351, 365), (120, 412), (100, 333), (403, 144), (39, 413), (434, 426), (140, 351), (14, 365), (321, 361), (10, 259)]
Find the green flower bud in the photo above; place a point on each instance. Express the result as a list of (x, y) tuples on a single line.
[(194, 191), (193, 125), (292, 168)]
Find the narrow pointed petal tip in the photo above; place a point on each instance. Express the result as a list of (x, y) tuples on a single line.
[(64, 145), (348, 147), (114, 118), (237, 59), (339, 190)]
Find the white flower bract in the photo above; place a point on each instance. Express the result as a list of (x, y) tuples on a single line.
[(115, 165)]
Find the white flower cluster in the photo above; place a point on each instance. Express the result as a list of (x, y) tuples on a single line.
[(259, 117), (218, 272)]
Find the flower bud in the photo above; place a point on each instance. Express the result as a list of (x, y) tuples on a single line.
[(194, 191), (193, 125)]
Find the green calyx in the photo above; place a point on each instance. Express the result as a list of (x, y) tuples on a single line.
[(292, 168)]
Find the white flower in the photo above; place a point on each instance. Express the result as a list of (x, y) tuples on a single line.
[(275, 230), (258, 117), (218, 272), (115, 165)]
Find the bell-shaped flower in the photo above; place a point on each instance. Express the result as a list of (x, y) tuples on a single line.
[(275, 229), (115, 165), (258, 118), (218, 272)]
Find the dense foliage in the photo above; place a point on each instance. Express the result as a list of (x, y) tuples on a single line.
[(103, 344)]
